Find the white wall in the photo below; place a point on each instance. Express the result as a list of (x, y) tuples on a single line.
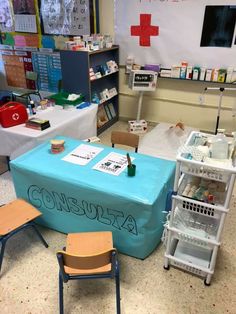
[(174, 100)]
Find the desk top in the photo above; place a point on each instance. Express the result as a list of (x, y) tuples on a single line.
[(57, 116), (76, 123), (152, 174)]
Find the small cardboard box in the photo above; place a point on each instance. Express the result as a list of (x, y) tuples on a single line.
[(137, 126)]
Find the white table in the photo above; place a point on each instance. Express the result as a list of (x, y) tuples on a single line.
[(163, 141), (75, 123)]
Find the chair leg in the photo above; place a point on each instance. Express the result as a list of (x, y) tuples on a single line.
[(117, 277), (2, 252), (39, 235), (61, 305), (8, 163)]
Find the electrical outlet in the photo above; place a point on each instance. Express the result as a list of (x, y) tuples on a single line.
[(201, 99)]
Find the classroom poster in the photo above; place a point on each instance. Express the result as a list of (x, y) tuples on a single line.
[(25, 16), (66, 17), (6, 16), (169, 32)]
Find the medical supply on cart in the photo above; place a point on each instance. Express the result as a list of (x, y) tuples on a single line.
[(220, 146)]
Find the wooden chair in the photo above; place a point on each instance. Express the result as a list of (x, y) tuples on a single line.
[(14, 217), (27, 93), (88, 255), (125, 138)]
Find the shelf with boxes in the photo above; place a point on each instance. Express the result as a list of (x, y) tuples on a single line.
[(202, 191), (198, 73), (102, 76), (96, 75)]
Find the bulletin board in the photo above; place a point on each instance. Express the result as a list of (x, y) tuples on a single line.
[(170, 31), (29, 25), (46, 23)]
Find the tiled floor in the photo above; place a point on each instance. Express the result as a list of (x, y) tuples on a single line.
[(29, 278)]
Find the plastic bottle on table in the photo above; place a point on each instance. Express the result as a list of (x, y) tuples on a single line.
[(33, 108)]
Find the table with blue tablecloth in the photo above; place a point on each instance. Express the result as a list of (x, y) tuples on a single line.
[(76, 198)]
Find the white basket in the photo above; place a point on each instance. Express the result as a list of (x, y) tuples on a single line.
[(219, 197), (203, 169), (190, 258), (198, 207), (193, 224), (192, 239), (190, 269)]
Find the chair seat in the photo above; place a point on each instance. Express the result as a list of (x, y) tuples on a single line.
[(16, 214), (88, 243)]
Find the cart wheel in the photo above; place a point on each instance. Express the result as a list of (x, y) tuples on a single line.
[(166, 268), (206, 284)]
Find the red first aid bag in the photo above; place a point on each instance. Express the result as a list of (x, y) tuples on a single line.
[(12, 113)]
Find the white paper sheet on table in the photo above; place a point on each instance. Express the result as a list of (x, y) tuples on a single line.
[(113, 163), (82, 154)]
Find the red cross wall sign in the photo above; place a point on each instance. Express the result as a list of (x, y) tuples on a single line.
[(145, 30)]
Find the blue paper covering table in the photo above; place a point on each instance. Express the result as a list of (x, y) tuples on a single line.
[(77, 198)]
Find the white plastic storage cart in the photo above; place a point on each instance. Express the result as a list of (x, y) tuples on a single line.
[(193, 230)]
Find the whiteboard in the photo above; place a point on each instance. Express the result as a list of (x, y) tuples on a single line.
[(180, 25)]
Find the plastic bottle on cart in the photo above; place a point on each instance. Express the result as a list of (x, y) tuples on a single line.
[(220, 146)]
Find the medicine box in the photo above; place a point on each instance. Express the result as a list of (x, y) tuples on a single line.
[(135, 126), (175, 71), (208, 75), (233, 78), (221, 75), (229, 75), (215, 74), (189, 72), (202, 74), (196, 71)]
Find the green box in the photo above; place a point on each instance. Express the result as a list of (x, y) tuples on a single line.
[(61, 99)]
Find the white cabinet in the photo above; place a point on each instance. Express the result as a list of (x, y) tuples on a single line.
[(194, 227)]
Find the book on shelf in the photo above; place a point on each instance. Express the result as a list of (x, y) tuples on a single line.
[(112, 109), (108, 112), (102, 117), (37, 124)]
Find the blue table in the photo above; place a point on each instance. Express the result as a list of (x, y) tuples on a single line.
[(77, 198)]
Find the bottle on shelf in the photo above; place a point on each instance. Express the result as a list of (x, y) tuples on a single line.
[(220, 146)]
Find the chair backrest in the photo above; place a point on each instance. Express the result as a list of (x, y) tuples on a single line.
[(32, 76), (87, 262), (125, 138)]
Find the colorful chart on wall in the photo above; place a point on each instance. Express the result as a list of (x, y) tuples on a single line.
[(167, 32), (16, 64), (66, 17), (48, 67)]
